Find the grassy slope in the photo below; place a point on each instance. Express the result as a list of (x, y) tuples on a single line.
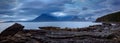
[(113, 17)]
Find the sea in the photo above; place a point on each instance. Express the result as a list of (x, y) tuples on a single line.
[(35, 25)]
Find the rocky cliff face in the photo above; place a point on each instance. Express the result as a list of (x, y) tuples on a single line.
[(113, 17)]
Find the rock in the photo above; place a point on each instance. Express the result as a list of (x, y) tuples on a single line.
[(49, 28), (106, 24), (32, 41), (12, 30)]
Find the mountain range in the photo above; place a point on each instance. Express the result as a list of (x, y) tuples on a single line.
[(49, 17)]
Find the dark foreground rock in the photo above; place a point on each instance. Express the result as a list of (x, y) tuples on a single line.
[(43, 36), (12, 30)]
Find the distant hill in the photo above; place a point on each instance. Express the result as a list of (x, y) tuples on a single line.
[(45, 17), (49, 17), (113, 17)]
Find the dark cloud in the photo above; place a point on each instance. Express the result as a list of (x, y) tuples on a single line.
[(93, 8), (29, 9), (114, 4), (7, 4), (32, 8), (41, 7)]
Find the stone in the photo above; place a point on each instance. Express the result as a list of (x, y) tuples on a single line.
[(106, 24)]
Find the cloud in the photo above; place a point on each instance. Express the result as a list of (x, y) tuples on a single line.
[(94, 7), (45, 6), (59, 14), (29, 9), (113, 4)]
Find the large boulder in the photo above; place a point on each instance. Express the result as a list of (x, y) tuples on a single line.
[(12, 30)]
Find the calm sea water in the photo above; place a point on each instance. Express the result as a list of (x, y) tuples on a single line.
[(35, 25)]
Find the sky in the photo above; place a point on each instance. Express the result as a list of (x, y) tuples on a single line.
[(23, 10)]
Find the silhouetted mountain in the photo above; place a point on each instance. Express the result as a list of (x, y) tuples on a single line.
[(45, 17), (49, 17), (113, 17)]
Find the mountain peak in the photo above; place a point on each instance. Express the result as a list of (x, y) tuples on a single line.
[(45, 17)]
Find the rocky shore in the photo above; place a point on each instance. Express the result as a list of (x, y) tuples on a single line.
[(104, 33)]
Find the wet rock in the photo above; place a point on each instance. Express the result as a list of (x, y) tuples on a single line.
[(12, 30)]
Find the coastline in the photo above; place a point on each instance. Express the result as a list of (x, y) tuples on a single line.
[(105, 33)]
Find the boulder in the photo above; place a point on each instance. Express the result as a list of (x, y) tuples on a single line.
[(12, 30)]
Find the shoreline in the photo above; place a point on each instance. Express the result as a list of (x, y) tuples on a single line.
[(104, 33)]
